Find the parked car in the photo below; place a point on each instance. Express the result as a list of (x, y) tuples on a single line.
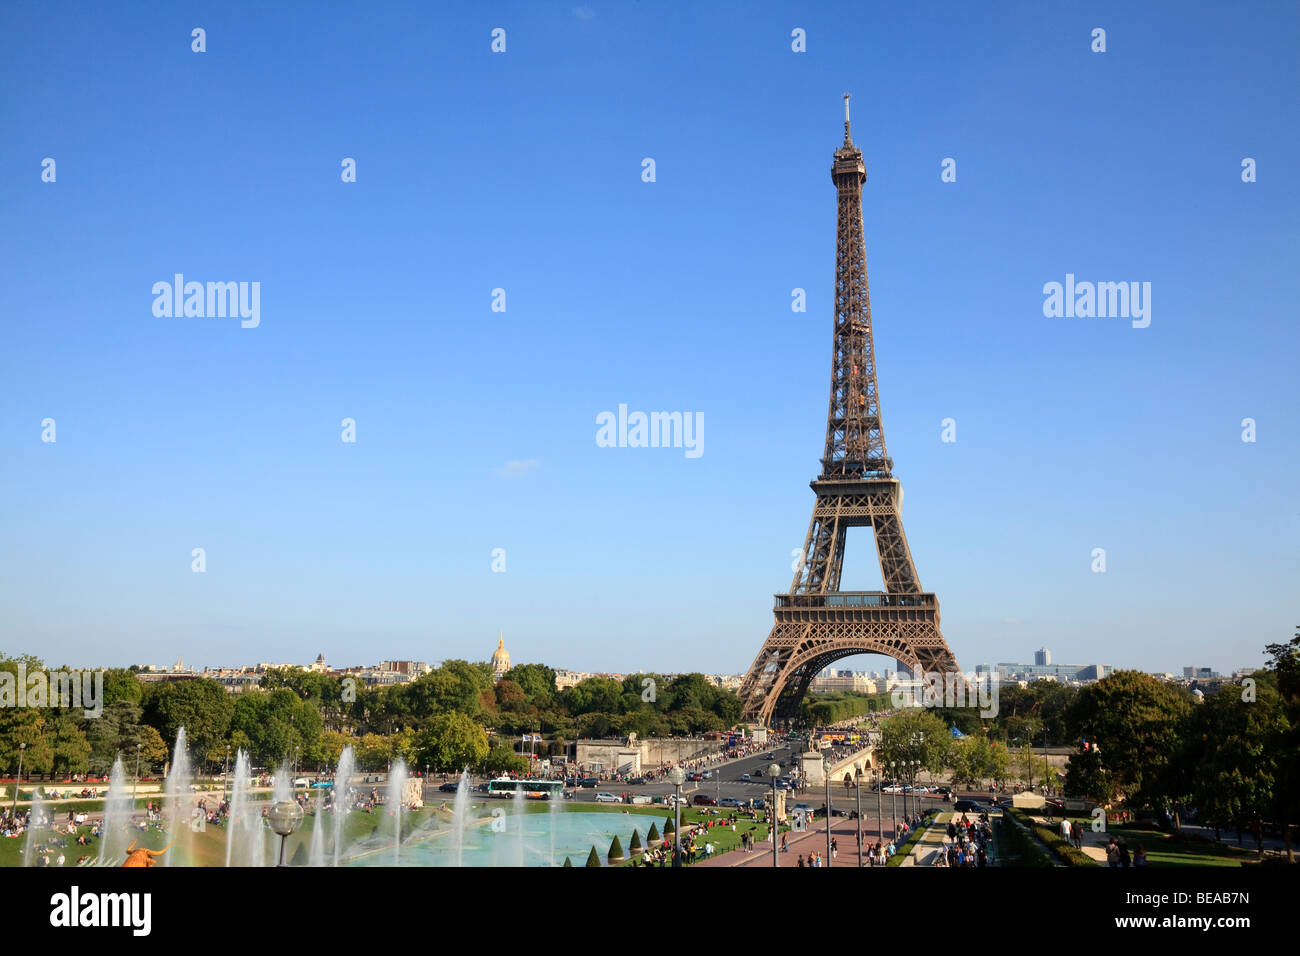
[(758, 804), (588, 782), (642, 798), (695, 777), (449, 787), (603, 797), (637, 781), (704, 800), (730, 802), (969, 806)]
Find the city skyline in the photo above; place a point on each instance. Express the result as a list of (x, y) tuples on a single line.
[(478, 430)]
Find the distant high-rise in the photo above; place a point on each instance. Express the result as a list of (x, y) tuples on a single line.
[(1042, 657)]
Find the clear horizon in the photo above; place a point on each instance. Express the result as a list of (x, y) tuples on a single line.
[(479, 430)]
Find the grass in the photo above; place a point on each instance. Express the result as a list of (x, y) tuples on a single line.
[(1015, 846), (1164, 849)]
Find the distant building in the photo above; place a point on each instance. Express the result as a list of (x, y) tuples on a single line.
[(1060, 672), (318, 666), (500, 659), (1196, 673), (566, 679), (405, 668), (1042, 657)]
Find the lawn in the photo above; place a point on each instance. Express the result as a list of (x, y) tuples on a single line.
[(1163, 849)]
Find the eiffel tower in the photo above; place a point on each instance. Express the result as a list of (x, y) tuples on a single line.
[(816, 622)]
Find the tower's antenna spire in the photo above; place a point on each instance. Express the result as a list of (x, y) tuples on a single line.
[(847, 138)]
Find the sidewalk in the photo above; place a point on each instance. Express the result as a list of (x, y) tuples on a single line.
[(924, 850), (845, 834)]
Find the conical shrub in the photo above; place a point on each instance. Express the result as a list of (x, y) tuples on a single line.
[(635, 846), (568, 862), (653, 836), (593, 858), (616, 851)]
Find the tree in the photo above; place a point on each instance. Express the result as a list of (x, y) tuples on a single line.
[(1136, 720), (616, 851), (452, 741), (537, 682), (635, 845), (116, 731), (1227, 767), (593, 858), (201, 706), (1284, 742), (653, 836), (594, 694), (510, 696), (502, 759), (70, 751)]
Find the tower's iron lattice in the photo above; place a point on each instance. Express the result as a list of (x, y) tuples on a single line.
[(816, 622)]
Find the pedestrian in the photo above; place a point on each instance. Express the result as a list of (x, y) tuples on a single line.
[(800, 863), (835, 848)]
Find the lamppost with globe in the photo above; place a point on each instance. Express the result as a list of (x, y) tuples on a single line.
[(678, 777), (893, 797), (774, 771), (857, 787), (284, 817), (22, 749), (136, 782)]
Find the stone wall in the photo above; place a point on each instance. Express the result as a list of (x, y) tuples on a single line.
[(640, 754)]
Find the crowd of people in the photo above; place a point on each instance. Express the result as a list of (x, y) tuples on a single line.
[(968, 842)]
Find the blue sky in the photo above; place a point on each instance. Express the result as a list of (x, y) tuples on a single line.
[(522, 171)]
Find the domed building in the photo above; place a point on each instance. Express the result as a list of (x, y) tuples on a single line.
[(500, 659)]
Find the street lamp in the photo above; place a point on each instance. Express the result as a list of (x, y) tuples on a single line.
[(827, 777), (18, 783), (284, 817), (136, 782), (857, 787), (678, 777), (893, 797), (774, 771), (880, 813)]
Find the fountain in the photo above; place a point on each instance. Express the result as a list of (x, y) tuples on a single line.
[(520, 800), (553, 811), (460, 815), (245, 839), (37, 818), (118, 809), (396, 786), (177, 803), (317, 855), (342, 799)]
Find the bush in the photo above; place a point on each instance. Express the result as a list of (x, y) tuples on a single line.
[(593, 858), (668, 826), (616, 851), (653, 836), (568, 862), (1053, 840), (1014, 842), (635, 846)]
